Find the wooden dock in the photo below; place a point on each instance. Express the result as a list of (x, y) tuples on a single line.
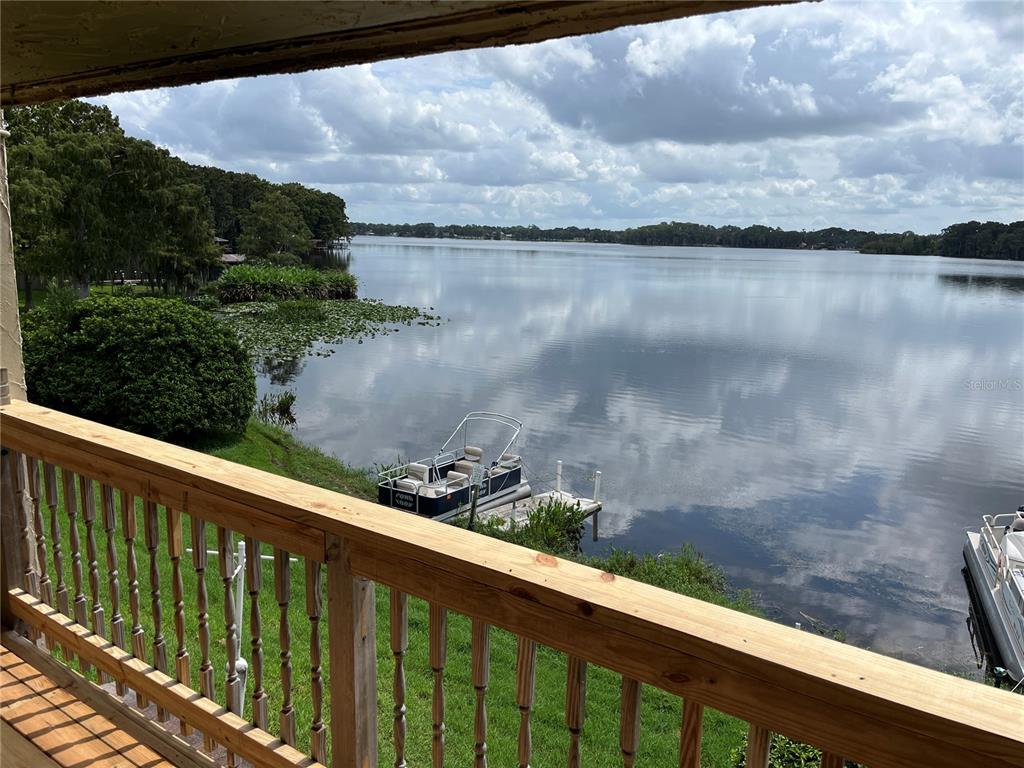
[(519, 510)]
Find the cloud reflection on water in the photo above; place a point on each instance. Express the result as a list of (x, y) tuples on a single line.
[(822, 425)]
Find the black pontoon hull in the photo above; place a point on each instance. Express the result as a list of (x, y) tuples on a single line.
[(501, 485)]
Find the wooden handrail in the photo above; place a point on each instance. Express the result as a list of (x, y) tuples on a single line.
[(844, 700), (185, 480)]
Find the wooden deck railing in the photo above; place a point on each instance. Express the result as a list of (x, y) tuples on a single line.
[(850, 703)]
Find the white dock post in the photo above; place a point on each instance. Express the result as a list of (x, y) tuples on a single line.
[(558, 476), (597, 497)]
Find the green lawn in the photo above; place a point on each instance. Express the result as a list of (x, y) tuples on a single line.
[(39, 294), (276, 451)]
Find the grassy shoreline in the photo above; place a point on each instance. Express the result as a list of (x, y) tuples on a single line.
[(275, 450)]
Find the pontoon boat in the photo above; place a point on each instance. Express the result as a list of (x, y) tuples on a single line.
[(440, 487), (995, 562)]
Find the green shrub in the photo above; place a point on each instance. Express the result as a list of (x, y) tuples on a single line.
[(553, 526), (202, 300), (784, 753), (557, 528), (685, 572), (248, 282), (154, 366), (123, 290)]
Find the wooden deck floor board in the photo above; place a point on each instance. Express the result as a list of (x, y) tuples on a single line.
[(65, 729), (16, 750)]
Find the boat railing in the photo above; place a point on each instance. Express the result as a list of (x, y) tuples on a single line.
[(992, 530), (389, 475), (999, 521), (86, 508)]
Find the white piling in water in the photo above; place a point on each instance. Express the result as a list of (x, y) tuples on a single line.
[(558, 475)]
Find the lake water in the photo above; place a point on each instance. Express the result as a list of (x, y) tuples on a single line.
[(822, 425)]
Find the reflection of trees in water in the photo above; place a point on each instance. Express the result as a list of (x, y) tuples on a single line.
[(281, 370), (1014, 283), (336, 255)]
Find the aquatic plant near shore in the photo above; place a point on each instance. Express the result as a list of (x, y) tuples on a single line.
[(248, 282), (276, 409), (292, 329)]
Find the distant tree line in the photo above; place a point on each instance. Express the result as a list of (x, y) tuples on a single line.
[(991, 240), (89, 203), (259, 218), (969, 240)]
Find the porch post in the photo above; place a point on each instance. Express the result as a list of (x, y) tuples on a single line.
[(351, 638), (10, 553), (10, 325)]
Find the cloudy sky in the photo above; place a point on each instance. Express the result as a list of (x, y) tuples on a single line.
[(885, 116)]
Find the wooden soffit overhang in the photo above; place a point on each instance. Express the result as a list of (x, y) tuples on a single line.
[(58, 50)]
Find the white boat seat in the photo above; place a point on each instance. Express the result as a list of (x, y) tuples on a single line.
[(463, 466), (473, 453), (1013, 545), (419, 472), (510, 458), (405, 484), (457, 479), (498, 470)]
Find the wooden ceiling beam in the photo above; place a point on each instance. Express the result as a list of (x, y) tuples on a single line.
[(59, 50)]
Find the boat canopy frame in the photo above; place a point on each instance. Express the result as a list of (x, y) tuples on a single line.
[(498, 418)]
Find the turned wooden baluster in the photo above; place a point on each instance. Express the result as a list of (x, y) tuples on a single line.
[(283, 590), (831, 760), (45, 586), (17, 465), (21, 508), (691, 734), (175, 549), (113, 577), (253, 580), (152, 530), (61, 590), (199, 561), (526, 678), (314, 601), (89, 514), (399, 646), (629, 723), (32, 476), (75, 544), (575, 706), (759, 742), (481, 669), (129, 529), (438, 656)]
